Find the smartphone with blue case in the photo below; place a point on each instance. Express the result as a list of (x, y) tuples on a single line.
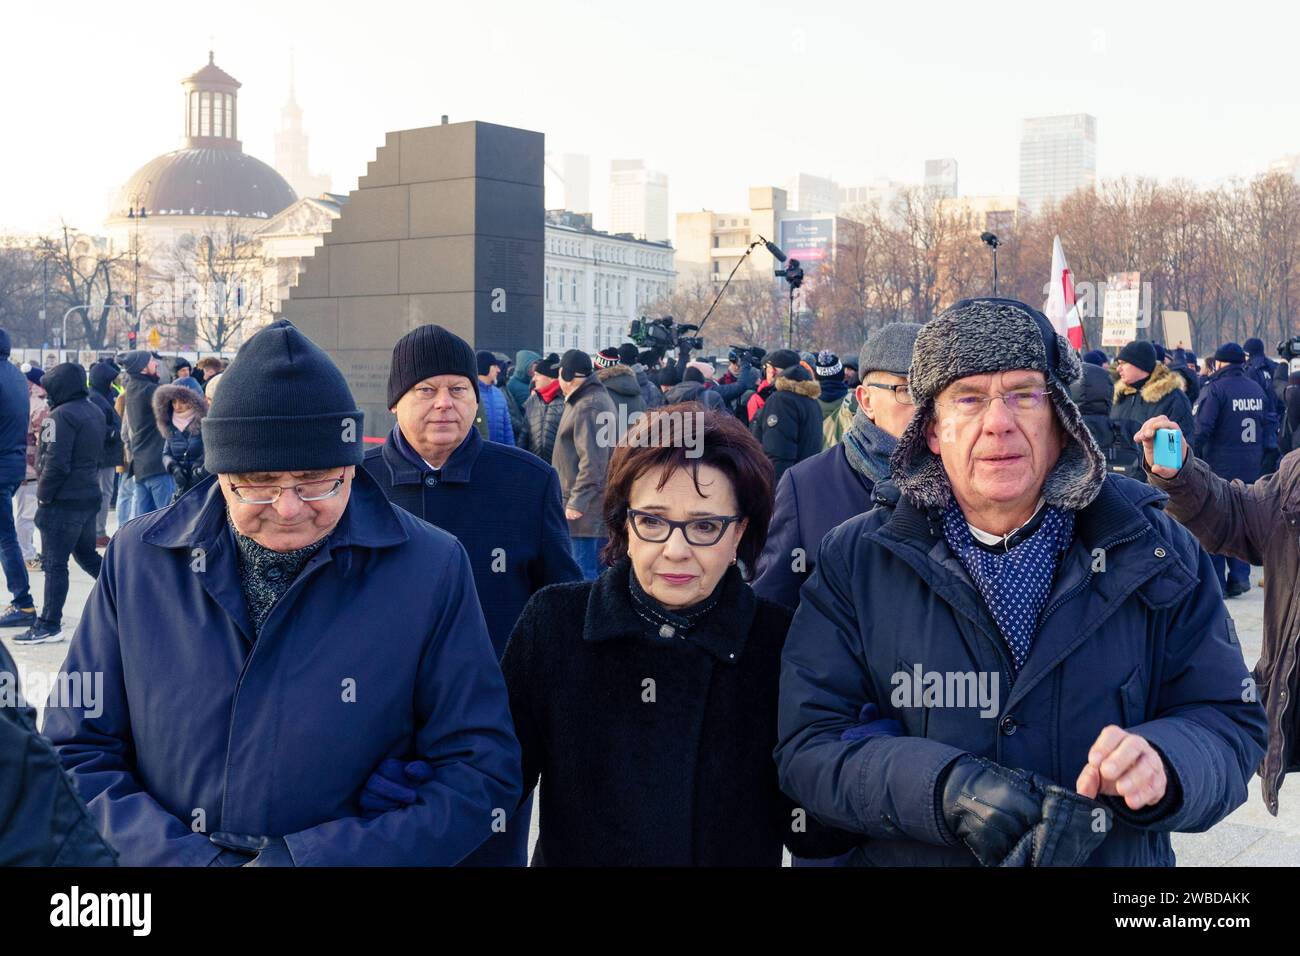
[(1169, 448)]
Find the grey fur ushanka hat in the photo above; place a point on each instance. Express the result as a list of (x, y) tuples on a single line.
[(975, 337)]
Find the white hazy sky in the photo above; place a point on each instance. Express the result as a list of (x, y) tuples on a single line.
[(720, 96)]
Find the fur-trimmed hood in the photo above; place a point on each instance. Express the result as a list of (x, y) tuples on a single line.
[(979, 336), (162, 407), (799, 387), (1157, 385), (620, 379)]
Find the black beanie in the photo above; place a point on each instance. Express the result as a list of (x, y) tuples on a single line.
[(427, 351), (575, 362), (692, 374), (1229, 352), (282, 406), (549, 366), (627, 353), (1141, 354), (782, 359), (484, 361)]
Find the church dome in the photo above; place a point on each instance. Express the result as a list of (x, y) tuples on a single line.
[(206, 182), (210, 175)]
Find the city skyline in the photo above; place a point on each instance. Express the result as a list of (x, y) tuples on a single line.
[(882, 111)]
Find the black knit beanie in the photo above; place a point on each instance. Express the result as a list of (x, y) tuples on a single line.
[(425, 352), (627, 353), (1139, 353), (282, 406)]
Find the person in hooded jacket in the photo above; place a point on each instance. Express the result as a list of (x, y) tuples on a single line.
[(102, 375), (1146, 388), (544, 408), (520, 382), (1184, 363), (962, 686), (43, 821), (789, 425), (692, 389), (620, 381), (831, 487), (179, 413), (67, 493), (1231, 418), (1093, 393)]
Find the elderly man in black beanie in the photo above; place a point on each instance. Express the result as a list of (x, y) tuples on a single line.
[(272, 637), (969, 679), (502, 503)]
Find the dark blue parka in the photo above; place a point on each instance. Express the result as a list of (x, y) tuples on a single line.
[(378, 649), (15, 406), (1231, 422), (504, 506), (1145, 644), (811, 498)]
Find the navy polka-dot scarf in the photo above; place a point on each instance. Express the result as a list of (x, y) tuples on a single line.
[(1014, 583)]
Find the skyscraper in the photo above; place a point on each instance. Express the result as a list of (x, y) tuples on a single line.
[(1058, 155), (941, 177), (638, 200)]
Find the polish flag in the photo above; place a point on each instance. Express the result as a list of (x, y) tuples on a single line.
[(1061, 308)]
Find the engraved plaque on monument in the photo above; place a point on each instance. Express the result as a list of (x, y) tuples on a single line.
[(446, 227)]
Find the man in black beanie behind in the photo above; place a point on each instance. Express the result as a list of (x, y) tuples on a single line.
[(581, 456), (502, 503), (284, 598)]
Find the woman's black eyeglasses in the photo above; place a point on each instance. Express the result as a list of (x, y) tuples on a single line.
[(701, 532)]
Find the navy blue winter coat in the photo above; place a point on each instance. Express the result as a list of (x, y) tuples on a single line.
[(1146, 645), (378, 649), (15, 406), (1231, 421), (811, 498), (504, 506)]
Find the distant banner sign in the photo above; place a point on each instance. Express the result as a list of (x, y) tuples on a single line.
[(1178, 329), (1121, 308), (808, 240)]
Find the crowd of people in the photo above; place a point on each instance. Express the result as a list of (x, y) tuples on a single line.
[(933, 604)]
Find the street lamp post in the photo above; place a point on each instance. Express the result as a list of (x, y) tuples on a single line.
[(136, 213)]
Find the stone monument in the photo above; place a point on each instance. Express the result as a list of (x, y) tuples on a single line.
[(447, 226)]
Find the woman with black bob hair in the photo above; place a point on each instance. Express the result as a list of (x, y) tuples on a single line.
[(646, 700)]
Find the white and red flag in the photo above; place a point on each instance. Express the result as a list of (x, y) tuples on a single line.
[(1061, 307)]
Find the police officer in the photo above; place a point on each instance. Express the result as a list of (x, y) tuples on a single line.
[(1231, 418)]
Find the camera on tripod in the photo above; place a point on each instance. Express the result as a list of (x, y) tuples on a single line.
[(660, 335), (1289, 349), (792, 273)]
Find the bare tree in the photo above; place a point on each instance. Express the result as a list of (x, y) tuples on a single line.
[(222, 269), (84, 276)]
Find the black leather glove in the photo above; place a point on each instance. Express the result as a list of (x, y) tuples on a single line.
[(256, 850), (989, 808), (1071, 828)]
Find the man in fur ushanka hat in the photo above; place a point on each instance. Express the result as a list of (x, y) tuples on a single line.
[(1016, 659)]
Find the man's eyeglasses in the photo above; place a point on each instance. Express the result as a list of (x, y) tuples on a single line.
[(701, 532), (307, 491), (1021, 400), (901, 394)]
